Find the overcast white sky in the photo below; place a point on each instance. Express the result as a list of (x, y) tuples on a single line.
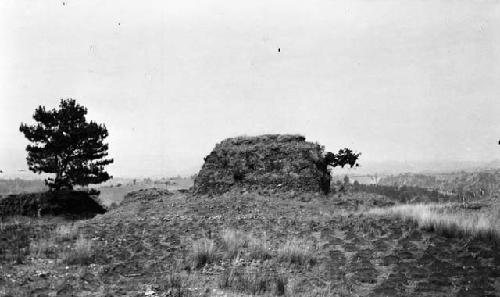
[(396, 80)]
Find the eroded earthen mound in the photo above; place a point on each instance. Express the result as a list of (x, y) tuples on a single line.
[(71, 203), (276, 162)]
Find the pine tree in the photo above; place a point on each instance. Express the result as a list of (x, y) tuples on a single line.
[(66, 145)]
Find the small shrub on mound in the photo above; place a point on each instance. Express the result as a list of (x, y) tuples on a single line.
[(203, 252)]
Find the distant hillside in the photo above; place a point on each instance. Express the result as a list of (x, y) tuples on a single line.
[(484, 183), (17, 186), (396, 167)]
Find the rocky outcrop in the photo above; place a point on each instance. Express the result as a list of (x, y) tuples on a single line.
[(275, 162)]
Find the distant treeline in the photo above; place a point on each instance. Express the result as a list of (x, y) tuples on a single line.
[(404, 194), (17, 186)]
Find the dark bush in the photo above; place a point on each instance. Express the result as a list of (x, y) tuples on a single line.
[(65, 203)]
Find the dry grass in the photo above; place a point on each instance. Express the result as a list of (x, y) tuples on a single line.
[(48, 246), (259, 248), (176, 284), (296, 251), (81, 254), (66, 232), (326, 289), (253, 280), (45, 247), (203, 252), (234, 241), (448, 219)]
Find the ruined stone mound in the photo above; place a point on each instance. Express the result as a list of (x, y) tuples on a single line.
[(273, 162)]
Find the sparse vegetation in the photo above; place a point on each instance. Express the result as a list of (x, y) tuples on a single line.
[(176, 285), (252, 279), (296, 251), (259, 248), (323, 247), (404, 194), (203, 252), (66, 232), (448, 219), (234, 241), (44, 248), (81, 254)]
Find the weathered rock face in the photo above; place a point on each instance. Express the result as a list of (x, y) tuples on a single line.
[(277, 162)]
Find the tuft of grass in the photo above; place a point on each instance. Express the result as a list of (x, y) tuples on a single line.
[(203, 252), (234, 241), (447, 219), (252, 280), (176, 285), (259, 248), (66, 232), (15, 240), (44, 247), (81, 254), (297, 252), (281, 282), (324, 290)]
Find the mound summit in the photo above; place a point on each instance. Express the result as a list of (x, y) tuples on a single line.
[(273, 162)]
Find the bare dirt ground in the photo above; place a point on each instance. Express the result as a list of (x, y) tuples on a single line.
[(142, 246)]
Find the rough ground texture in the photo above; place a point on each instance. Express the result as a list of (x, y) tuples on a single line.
[(276, 162), (139, 244), (73, 203)]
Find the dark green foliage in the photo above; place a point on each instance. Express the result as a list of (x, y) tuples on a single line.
[(342, 158), (65, 144)]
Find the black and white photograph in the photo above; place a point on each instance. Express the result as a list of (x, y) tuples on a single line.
[(238, 148)]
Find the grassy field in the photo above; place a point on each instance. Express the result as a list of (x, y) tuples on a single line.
[(158, 243), (455, 220)]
